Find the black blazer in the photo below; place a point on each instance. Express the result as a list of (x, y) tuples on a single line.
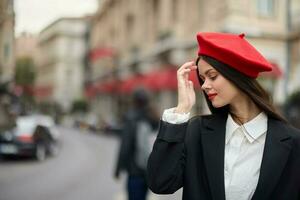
[(191, 155)]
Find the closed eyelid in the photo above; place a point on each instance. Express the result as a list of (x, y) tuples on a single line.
[(209, 75), (212, 73)]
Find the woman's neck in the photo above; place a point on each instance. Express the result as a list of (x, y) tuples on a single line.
[(243, 110)]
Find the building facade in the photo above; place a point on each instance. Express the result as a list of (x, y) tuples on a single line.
[(61, 61), (26, 46), (142, 36), (7, 52)]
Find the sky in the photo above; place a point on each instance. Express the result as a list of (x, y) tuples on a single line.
[(34, 15)]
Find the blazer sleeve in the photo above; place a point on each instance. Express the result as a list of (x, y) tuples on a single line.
[(167, 160)]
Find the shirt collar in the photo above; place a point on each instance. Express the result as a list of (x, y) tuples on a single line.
[(252, 129)]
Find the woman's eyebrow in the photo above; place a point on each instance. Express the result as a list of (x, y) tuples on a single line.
[(207, 71)]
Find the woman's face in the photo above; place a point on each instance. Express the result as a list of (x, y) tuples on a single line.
[(220, 91)]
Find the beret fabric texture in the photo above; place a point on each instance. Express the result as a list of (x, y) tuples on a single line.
[(233, 50)]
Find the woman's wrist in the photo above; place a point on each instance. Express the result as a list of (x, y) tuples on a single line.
[(181, 110)]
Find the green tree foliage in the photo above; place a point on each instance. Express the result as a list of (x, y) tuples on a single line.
[(25, 77), (25, 72), (80, 105)]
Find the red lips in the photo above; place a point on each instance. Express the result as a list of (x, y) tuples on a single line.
[(211, 96)]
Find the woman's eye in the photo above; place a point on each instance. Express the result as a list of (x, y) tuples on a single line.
[(213, 77)]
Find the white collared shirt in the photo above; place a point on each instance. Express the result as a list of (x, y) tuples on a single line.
[(244, 146)]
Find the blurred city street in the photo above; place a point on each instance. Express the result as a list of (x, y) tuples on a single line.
[(82, 170), (75, 75)]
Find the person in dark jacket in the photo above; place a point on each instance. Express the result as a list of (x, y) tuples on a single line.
[(140, 122), (244, 149)]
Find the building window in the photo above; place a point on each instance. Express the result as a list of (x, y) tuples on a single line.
[(10, 7), (6, 51), (239, 7), (156, 7), (130, 25), (155, 16), (156, 11), (265, 8), (175, 11), (112, 34), (295, 13)]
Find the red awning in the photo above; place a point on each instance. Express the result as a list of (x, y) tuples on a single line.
[(24, 89), (159, 80), (90, 91), (109, 86), (98, 53), (106, 87), (162, 79), (167, 79), (42, 91), (128, 85)]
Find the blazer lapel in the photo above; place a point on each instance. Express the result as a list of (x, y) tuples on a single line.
[(213, 143), (276, 153)]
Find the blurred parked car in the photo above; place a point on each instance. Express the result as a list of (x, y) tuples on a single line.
[(111, 129), (35, 136)]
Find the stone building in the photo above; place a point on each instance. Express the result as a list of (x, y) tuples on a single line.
[(61, 61), (133, 37), (7, 52), (26, 46)]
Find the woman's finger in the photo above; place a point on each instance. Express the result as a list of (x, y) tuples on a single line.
[(188, 64), (191, 84), (184, 72)]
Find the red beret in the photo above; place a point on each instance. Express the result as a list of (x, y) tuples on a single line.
[(234, 51)]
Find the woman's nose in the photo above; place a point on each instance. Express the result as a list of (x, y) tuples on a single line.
[(205, 86)]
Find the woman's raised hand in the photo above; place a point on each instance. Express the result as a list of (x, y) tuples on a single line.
[(186, 93)]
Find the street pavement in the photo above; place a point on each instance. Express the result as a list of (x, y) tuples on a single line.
[(81, 171)]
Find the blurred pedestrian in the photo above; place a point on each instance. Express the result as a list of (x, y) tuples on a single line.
[(244, 150), (137, 138)]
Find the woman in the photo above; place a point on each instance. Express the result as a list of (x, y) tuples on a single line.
[(244, 150)]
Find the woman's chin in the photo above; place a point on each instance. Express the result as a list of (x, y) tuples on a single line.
[(217, 104)]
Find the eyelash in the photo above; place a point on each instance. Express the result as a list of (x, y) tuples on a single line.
[(211, 78), (214, 77)]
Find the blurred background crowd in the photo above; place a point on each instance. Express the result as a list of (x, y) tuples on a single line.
[(81, 70)]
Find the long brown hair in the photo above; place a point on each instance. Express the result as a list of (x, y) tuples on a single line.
[(248, 85)]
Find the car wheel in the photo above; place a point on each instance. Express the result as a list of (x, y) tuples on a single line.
[(40, 152)]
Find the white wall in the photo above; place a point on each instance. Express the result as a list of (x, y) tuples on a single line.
[(64, 48)]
